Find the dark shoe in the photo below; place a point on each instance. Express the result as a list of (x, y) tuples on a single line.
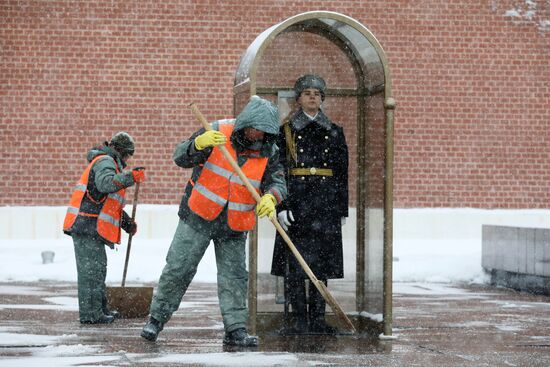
[(298, 328), (240, 338), (104, 319), (113, 313), (321, 327), (152, 329)]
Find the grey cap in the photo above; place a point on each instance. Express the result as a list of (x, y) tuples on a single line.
[(310, 81), (123, 142)]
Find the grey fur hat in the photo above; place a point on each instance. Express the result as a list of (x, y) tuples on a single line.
[(310, 81)]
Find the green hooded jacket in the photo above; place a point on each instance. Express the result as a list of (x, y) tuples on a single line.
[(259, 114)]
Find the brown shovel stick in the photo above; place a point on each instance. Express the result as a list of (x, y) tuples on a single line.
[(136, 192), (318, 284)]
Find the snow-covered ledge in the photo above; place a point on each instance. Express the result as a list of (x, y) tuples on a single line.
[(159, 221), (430, 245)]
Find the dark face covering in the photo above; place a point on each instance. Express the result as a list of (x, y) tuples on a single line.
[(246, 143)]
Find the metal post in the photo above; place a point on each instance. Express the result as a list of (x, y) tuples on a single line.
[(388, 219), (253, 279)]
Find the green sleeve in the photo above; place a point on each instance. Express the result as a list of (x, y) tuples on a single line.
[(107, 180)]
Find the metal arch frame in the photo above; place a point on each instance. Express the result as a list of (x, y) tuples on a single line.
[(264, 40)]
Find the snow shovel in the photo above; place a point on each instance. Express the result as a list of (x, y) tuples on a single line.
[(338, 311), (130, 302)]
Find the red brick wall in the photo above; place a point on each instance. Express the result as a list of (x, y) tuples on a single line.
[(472, 87)]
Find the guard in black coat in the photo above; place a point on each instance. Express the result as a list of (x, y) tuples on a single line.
[(315, 156)]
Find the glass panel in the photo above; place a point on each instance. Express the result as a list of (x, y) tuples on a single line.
[(364, 52), (243, 70), (293, 54), (374, 172)]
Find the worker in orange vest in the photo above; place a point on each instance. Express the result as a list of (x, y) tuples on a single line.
[(94, 219), (217, 207)]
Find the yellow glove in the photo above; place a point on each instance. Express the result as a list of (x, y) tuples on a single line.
[(266, 206), (210, 138)]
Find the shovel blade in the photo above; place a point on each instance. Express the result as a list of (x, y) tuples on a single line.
[(131, 302)]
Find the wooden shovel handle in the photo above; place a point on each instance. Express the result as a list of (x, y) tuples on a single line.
[(134, 208)]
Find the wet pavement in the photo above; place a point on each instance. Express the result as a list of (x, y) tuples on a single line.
[(434, 324)]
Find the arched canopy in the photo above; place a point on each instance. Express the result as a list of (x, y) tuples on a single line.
[(344, 31)]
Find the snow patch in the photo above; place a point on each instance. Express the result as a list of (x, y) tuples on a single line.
[(509, 327), (66, 302), (376, 317), (22, 290), (254, 359), (38, 307), (527, 13), (433, 289), (31, 340), (56, 361), (67, 350)]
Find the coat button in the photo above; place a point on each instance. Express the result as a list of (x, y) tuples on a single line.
[(324, 177), (301, 150), (324, 164), (299, 136), (302, 164), (313, 170), (326, 150), (326, 137), (303, 178)]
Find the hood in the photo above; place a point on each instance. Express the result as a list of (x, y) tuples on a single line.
[(105, 150), (259, 114), (262, 115)]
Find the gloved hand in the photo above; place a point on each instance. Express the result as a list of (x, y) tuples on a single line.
[(131, 227), (139, 174), (266, 206), (210, 138), (285, 219)]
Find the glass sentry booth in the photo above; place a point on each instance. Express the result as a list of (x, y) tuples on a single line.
[(358, 98)]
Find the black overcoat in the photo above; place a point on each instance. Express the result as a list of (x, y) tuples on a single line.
[(318, 203)]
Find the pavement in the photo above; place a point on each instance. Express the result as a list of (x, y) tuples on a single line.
[(434, 325)]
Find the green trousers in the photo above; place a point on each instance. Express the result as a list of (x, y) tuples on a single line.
[(190, 241), (91, 267)]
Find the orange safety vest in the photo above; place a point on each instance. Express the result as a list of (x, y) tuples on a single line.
[(219, 185), (110, 215)]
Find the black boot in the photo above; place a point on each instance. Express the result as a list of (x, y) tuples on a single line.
[(317, 305), (240, 338), (113, 313), (105, 308), (152, 329), (103, 319), (297, 293)]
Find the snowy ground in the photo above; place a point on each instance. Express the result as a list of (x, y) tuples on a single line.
[(436, 324), (425, 271), (439, 261), (420, 262)]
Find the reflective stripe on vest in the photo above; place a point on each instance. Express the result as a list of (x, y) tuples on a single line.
[(218, 186), (110, 214)]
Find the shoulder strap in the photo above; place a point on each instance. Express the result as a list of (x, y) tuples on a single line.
[(290, 142)]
